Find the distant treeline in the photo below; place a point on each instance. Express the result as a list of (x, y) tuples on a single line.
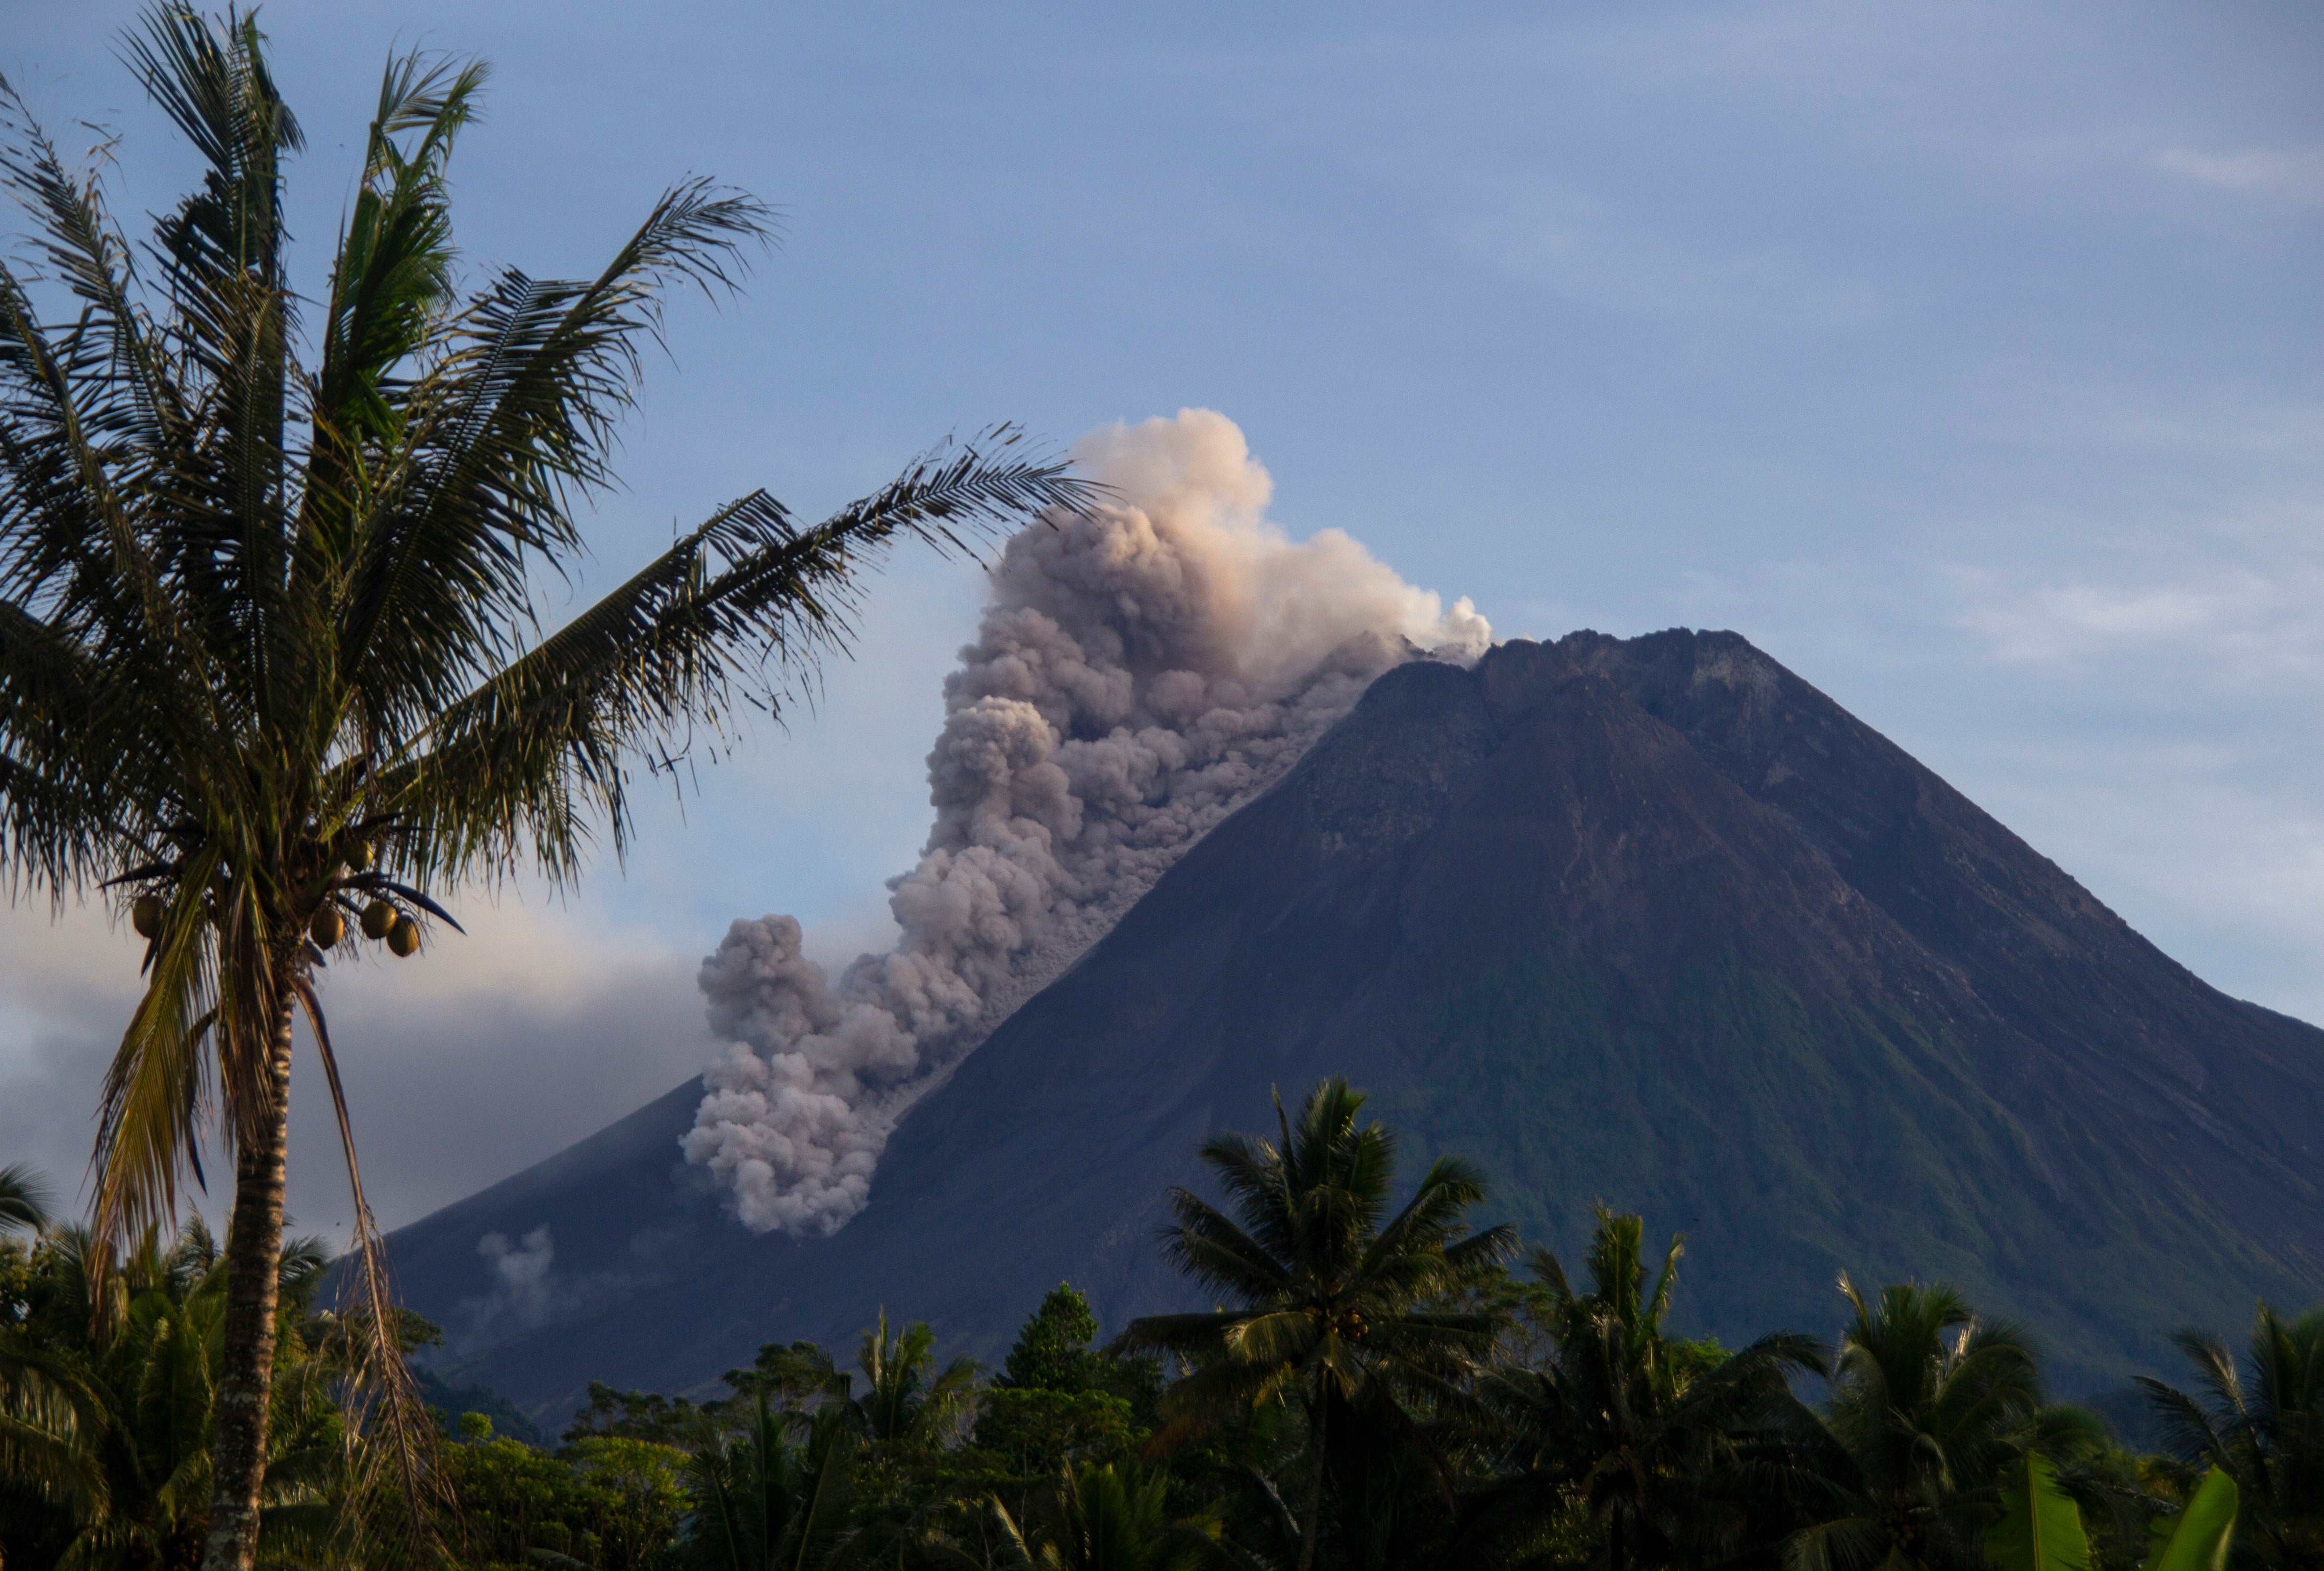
[(1375, 1387)]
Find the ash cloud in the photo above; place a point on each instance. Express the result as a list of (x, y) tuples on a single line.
[(520, 1289), (1139, 674)]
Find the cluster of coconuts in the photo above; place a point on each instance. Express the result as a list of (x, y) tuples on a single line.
[(379, 920)]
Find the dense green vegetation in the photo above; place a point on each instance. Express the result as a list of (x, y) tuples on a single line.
[(1549, 1081), (1377, 1385)]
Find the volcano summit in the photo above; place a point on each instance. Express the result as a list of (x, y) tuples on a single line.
[(1651, 921)]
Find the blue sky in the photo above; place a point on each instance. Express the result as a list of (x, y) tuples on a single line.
[(1964, 356)]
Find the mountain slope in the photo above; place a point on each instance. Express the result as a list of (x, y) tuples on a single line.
[(1652, 921)]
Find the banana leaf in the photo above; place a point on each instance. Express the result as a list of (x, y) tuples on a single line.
[(2040, 1529), (2197, 1539)]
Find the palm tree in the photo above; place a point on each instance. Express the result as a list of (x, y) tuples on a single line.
[(1333, 1296), (1106, 1518), (906, 1400), (1652, 1436), (270, 653), (762, 1503), (1929, 1405), (118, 1424), (2265, 1430)]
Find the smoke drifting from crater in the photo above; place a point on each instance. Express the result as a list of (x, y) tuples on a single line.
[(1139, 674)]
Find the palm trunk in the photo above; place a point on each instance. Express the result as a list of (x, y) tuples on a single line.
[(1312, 1514), (253, 1250)]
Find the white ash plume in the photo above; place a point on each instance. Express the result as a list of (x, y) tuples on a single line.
[(1139, 674)]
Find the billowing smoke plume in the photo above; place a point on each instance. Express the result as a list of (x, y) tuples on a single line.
[(1139, 674)]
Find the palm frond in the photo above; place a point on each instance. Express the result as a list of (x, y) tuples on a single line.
[(514, 416), (63, 809), (399, 1438), (1438, 1207), (394, 271), (159, 1081), (1193, 1334), (47, 1421), (743, 607), (1274, 1339), (1206, 1244), (1213, 1392), (111, 356), (26, 1200), (221, 258)]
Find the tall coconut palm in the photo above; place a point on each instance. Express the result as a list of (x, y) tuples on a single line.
[(2263, 1428), (1651, 1435), (1929, 1405), (271, 645), (1333, 1295)]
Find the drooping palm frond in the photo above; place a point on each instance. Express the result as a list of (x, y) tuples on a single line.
[(2262, 1425), (26, 1201), (160, 1080), (48, 1420), (398, 1437)]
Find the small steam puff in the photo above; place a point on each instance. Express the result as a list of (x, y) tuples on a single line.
[(1139, 674), (520, 1279)]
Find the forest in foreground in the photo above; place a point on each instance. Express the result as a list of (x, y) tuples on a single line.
[(1378, 1385)]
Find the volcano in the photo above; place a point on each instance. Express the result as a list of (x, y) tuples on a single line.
[(1652, 921)]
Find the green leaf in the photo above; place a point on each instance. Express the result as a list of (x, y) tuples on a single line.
[(2040, 1529), (2197, 1539)]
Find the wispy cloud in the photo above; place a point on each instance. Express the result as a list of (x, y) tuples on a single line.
[(2290, 174), (1572, 242), (2227, 615), (2228, 602), (2263, 436)]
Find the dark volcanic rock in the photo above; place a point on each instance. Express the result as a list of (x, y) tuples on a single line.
[(1653, 922)]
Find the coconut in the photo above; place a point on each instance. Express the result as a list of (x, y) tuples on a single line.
[(145, 916), (403, 938), (329, 926), (359, 856), (379, 919)]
